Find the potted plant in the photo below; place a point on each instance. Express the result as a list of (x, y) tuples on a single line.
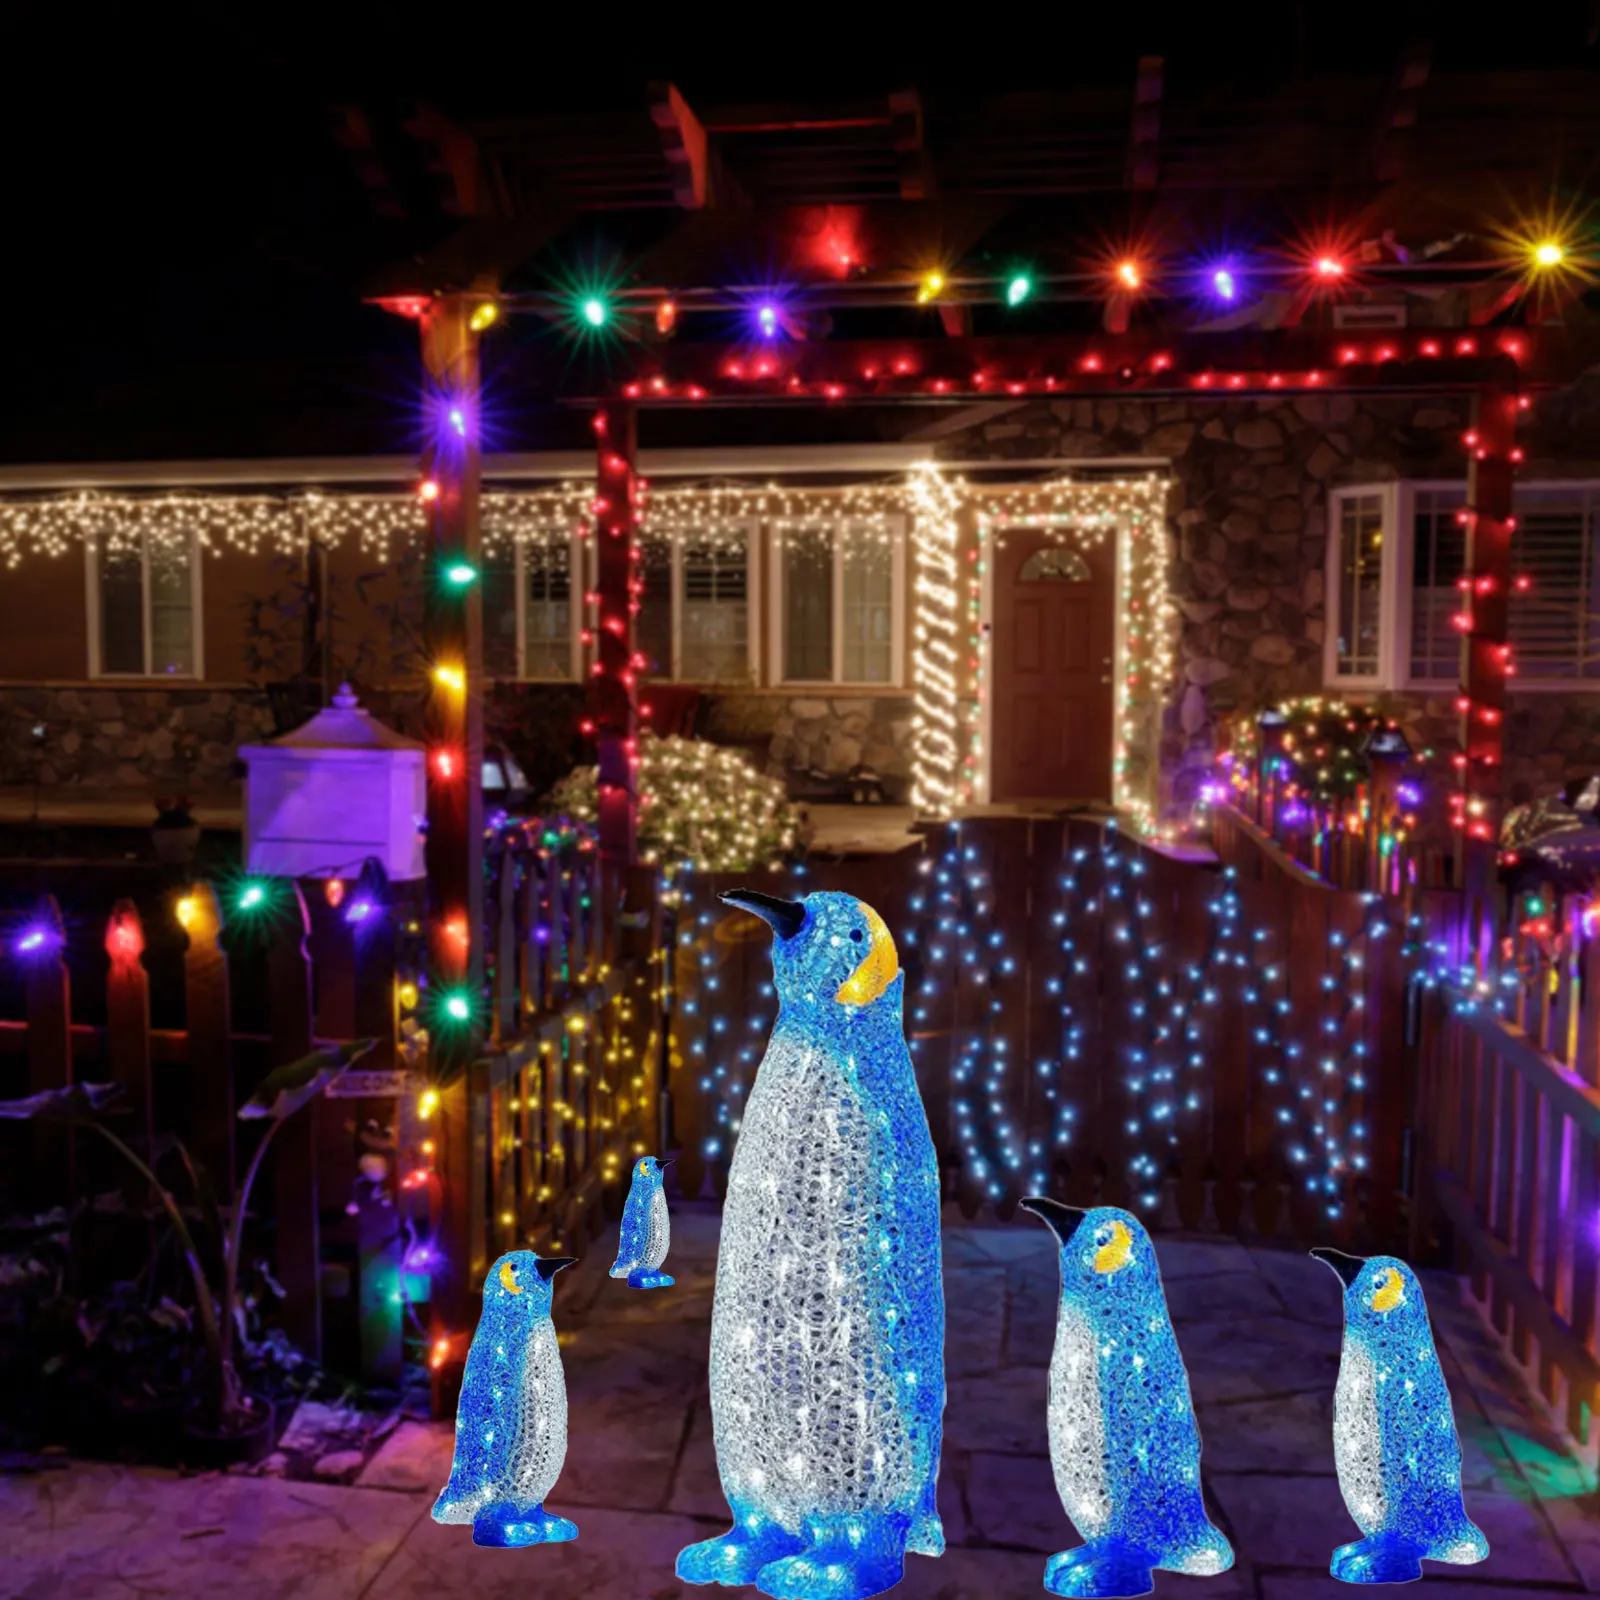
[(223, 1423), (175, 834)]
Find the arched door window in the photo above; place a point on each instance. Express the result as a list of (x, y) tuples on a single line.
[(1055, 564)]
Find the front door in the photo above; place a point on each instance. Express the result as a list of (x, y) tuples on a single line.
[(1054, 638)]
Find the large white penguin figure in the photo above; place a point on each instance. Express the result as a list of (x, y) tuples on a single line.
[(827, 1329)]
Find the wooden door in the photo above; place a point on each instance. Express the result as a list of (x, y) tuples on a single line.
[(1054, 642)]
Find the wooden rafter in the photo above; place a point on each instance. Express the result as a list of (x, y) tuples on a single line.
[(1144, 140), (1401, 104), (910, 142), (700, 177)]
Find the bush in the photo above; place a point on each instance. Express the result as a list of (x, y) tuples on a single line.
[(700, 806)]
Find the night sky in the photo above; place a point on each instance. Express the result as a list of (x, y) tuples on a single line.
[(186, 246)]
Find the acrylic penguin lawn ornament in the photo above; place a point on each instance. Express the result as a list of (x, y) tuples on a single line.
[(1123, 1439), (827, 1327), (646, 1231), (511, 1422), (1395, 1444)]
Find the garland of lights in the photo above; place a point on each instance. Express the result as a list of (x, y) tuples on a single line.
[(720, 516)]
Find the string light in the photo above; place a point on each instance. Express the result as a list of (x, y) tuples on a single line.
[(931, 287), (1018, 289), (484, 317)]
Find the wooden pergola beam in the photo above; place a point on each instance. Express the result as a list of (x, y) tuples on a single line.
[(699, 176), (1243, 362), (909, 133)]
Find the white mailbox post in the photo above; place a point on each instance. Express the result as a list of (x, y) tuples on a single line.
[(341, 788)]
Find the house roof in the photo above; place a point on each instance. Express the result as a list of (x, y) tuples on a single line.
[(205, 202)]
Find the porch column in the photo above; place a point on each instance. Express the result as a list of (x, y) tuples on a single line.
[(613, 683), (453, 622), (1485, 652)]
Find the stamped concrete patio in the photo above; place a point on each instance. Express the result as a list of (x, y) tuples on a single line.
[(1260, 1334)]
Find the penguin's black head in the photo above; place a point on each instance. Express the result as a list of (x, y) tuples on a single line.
[(828, 949), (1379, 1291), (1104, 1252), (518, 1284)]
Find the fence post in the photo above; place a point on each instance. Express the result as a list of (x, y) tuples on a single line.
[(210, 1027), (299, 1243), (128, 1030), (54, 1174)]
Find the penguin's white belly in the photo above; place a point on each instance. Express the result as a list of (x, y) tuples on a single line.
[(658, 1232), (541, 1443), (1357, 1439), (803, 1400), (1077, 1428)]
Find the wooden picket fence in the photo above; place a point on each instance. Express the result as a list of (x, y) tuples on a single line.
[(316, 978), (1509, 1132), (1033, 1012)]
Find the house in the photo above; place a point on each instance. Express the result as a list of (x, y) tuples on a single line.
[(1213, 478)]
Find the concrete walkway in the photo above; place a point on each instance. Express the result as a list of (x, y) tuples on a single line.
[(1260, 1334)]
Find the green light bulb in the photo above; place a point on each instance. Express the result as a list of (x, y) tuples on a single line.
[(253, 895), (1018, 290), (594, 312), (458, 1008), (460, 574)]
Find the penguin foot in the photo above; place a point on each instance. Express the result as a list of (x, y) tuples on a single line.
[(926, 1537), (1380, 1559), (849, 1558), (749, 1545), (1103, 1570), (1465, 1547), (644, 1278), (510, 1525)]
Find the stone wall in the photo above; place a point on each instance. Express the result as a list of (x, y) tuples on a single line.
[(1246, 531), (112, 736), (791, 734)]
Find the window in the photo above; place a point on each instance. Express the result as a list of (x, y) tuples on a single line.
[(694, 615), (144, 608), (1395, 560), (837, 602), (530, 625)]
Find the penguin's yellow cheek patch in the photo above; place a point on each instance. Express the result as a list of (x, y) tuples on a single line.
[(508, 1279), (1116, 1252), (877, 969), (1391, 1291)]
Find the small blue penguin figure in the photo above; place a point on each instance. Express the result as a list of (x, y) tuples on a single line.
[(511, 1422), (827, 1327), (646, 1231), (1124, 1443), (1395, 1444)]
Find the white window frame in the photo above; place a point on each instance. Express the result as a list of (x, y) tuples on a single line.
[(778, 614), (752, 592), (1389, 609), (1396, 593), (578, 586), (91, 566)]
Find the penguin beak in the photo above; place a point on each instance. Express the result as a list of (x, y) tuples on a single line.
[(784, 917), (666, 1161), (1063, 1220), (1348, 1267), (549, 1266)]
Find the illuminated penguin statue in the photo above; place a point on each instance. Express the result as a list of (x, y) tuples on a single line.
[(1124, 1444), (827, 1328), (646, 1232), (1395, 1444), (511, 1422)]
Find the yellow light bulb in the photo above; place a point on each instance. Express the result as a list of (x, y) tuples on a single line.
[(484, 316), (428, 1104), (450, 678), (1548, 254), (932, 286), (188, 910), (408, 996)]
